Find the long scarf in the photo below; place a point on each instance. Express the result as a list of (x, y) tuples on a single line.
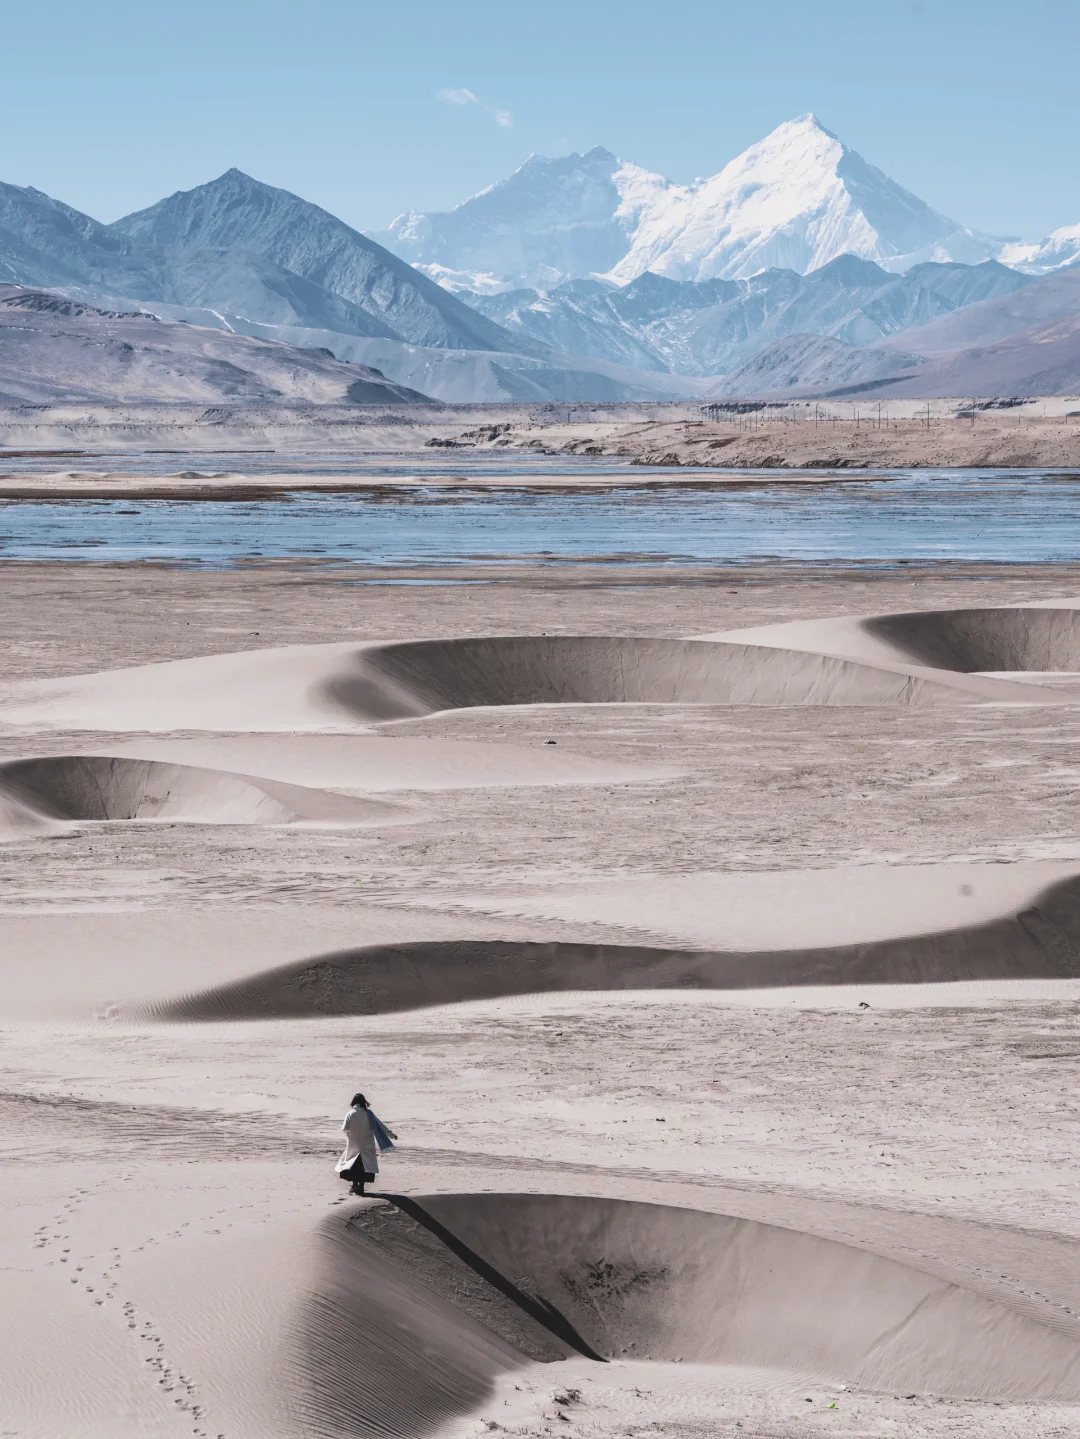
[(378, 1128)]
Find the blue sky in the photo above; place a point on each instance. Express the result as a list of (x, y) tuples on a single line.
[(110, 104)]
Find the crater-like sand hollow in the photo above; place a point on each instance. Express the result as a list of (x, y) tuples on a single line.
[(422, 1303), (425, 676), (38, 794), (890, 660), (1023, 639), (987, 640)]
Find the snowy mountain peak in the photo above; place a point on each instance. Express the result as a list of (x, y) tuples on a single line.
[(794, 200), (551, 220), (1059, 251)]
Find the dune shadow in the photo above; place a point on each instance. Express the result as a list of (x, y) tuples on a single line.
[(419, 1304), (968, 641), (1041, 941), (541, 1311), (409, 680)]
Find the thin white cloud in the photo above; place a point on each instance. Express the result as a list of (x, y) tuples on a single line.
[(458, 95)]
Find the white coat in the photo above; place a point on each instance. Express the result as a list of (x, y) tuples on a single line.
[(360, 1143)]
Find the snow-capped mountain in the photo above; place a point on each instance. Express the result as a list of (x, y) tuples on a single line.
[(796, 200), (1058, 251), (550, 221)]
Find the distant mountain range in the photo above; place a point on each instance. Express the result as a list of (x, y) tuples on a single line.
[(241, 245), (1024, 343), (580, 278), (711, 326), (796, 200), (249, 259)]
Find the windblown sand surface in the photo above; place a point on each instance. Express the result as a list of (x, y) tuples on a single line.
[(713, 946)]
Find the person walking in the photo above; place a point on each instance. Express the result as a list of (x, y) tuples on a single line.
[(365, 1136)]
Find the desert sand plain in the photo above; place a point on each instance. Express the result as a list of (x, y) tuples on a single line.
[(719, 973)]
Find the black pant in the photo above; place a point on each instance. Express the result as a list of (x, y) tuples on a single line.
[(356, 1174)]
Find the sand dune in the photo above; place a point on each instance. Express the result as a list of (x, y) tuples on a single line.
[(1038, 638), (257, 691), (424, 677), (37, 794), (1038, 939), (343, 686), (91, 953), (789, 911), (442, 1293), (816, 1121), (875, 924)]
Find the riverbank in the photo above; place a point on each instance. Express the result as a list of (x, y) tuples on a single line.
[(751, 443), (182, 452)]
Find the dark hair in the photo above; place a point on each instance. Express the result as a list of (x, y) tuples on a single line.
[(360, 1100)]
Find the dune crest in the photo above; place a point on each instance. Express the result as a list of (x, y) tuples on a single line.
[(402, 681)]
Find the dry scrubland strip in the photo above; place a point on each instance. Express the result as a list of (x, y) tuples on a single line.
[(770, 446), (839, 444)]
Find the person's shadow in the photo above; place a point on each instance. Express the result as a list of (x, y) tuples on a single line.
[(541, 1311)]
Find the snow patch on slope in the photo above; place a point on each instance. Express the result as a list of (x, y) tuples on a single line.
[(1058, 251)]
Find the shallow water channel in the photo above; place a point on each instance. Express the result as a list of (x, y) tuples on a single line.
[(924, 515)]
